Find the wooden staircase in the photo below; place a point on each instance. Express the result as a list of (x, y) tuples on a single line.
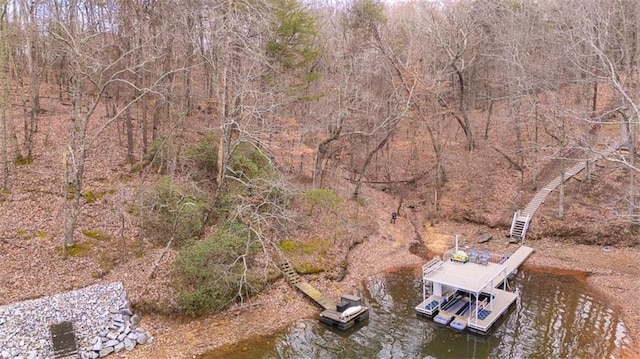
[(519, 226), (292, 276), (521, 220)]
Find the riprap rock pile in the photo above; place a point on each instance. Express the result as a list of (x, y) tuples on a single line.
[(100, 316)]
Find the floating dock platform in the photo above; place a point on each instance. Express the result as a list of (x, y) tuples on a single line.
[(346, 313), (464, 294)]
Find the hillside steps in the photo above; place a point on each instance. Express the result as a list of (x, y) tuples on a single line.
[(522, 219), (292, 276), (519, 226)]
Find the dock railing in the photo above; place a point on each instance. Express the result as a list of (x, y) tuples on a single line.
[(497, 258), (431, 265), (447, 255), (493, 257)]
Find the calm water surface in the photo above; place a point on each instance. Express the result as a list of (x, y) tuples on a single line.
[(557, 317)]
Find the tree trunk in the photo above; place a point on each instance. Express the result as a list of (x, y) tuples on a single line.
[(633, 195), (462, 105), (34, 83), (4, 94), (321, 151), (129, 130), (367, 162), (3, 106), (561, 199), (488, 121)]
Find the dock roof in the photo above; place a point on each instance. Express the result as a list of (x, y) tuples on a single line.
[(470, 277)]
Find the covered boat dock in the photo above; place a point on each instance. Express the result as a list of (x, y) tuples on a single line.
[(465, 294)]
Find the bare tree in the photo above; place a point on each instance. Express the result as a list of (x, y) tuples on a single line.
[(95, 67), (600, 38), (4, 93)]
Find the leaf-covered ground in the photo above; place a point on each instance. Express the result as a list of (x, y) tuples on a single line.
[(479, 197)]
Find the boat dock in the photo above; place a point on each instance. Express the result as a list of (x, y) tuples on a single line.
[(348, 312), (343, 315), (462, 291)]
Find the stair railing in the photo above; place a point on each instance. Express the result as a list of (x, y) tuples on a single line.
[(513, 222)]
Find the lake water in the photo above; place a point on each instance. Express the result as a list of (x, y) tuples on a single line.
[(557, 317)]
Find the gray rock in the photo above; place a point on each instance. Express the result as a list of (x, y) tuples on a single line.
[(33, 354), (112, 335), (105, 351), (135, 319), (111, 343), (118, 348), (133, 336), (97, 345), (126, 311), (93, 355), (129, 344), (141, 338)]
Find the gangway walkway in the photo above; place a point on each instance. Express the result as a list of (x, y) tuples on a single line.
[(514, 262), (307, 289), (521, 219)]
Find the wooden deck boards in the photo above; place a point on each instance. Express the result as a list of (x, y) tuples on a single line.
[(517, 258), (316, 295)]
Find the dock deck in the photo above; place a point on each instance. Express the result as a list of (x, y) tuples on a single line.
[(486, 317), (517, 258), (333, 317), (316, 295)]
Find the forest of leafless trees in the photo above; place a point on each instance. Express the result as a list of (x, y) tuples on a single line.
[(318, 87)]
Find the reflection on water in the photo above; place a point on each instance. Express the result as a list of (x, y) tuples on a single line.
[(557, 317)]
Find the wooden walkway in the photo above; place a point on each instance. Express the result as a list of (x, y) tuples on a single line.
[(307, 289), (523, 218), (517, 258)]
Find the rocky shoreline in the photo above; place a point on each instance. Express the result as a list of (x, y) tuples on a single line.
[(102, 321), (612, 271)]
